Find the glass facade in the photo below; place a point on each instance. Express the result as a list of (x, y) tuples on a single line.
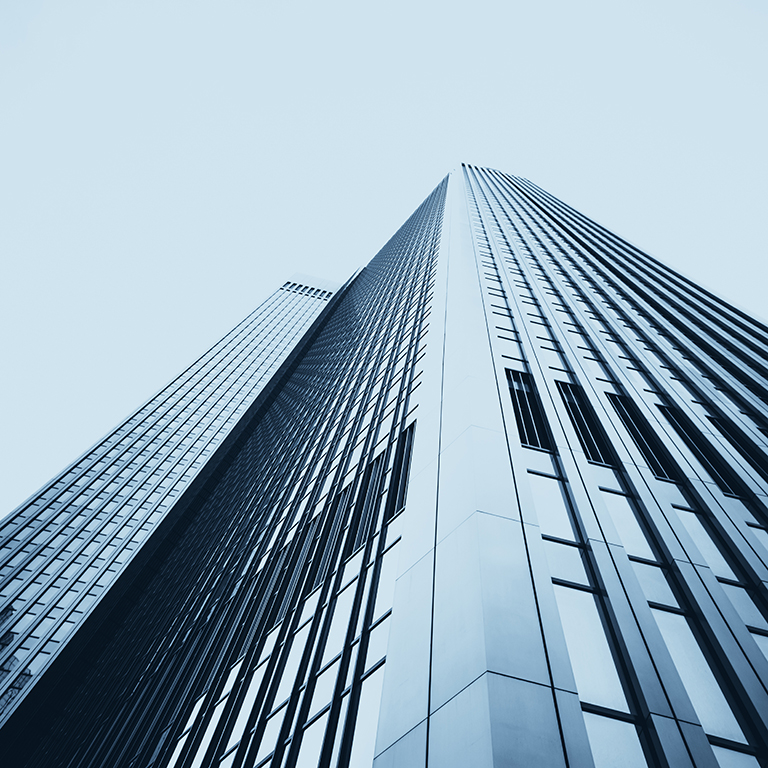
[(500, 499)]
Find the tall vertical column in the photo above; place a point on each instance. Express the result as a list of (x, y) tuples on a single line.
[(467, 678)]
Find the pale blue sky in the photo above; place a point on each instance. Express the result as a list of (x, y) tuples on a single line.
[(165, 165)]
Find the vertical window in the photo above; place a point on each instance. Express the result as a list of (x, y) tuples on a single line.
[(743, 444), (529, 415), (705, 693), (591, 435), (339, 519), (551, 507), (367, 506), (401, 468), (623, 514), (597, 680), (653, 451), (718, 470)]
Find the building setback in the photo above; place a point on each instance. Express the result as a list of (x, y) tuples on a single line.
[(498, 500)]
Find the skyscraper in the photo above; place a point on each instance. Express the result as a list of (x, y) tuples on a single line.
[(500, 499)]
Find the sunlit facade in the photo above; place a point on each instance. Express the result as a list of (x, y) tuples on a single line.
[(500, 499)]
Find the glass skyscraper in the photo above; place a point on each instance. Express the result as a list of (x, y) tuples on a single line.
[(498, 500)]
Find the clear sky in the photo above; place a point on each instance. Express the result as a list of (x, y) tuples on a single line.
[(164, 166)]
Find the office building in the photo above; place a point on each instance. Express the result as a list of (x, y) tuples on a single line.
[(498, 500)]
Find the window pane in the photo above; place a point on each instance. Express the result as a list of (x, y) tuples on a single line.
[(271, 732), (744, 606), (377, 643), (703, 541), (367, 720), (551, 508), (702, 687), (311, 744), (629, 530), (762, 643), (614, 743), (727, 758), (654, 583), (565, 562), (339, 623), (323, 689), (596, 678)]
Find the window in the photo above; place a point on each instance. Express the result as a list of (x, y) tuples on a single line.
[(529, 415), (367, 506), (655, 454), (401, 468), (703, 451), (746, 447), (591, 435)]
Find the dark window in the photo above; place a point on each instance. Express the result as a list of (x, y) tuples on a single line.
[(338, 517), (723, 476), (655, 454), (401, 468), (591, 435), (367, 505), (743, 444), (529, 415)]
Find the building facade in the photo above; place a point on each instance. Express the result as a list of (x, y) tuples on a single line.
[(500, 499)]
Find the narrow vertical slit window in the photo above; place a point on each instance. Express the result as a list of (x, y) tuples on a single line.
[(591, 435), (531, 423), (367, 505), (339, 520), (743, 444), (718, 470), (653, 451), (401, 468)]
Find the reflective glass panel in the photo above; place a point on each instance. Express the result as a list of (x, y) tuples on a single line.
[(614, 743), (745, 606), (591, 659), (565, 562), (703, 689), (312, 743), (728, 758), (367, 720), (631, 534), (712, 555), (551, 508), (654, 583)]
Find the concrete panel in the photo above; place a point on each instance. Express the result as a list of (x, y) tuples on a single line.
[(475, 474), (404, 698), (460, 731), (408, 752), (524, 729)]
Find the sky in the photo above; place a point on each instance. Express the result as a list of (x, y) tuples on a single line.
[(165, 166)]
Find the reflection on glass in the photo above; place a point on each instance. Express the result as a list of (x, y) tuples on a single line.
[(295, 653), (745, 606), (591, 659), (339, 623), (246, 706), (324, 689), (551, 508), (271, 732), (728, 758), (377, 643), (712, 555), (385, 590), (703, 689), (654, 583), (367, 720), (565, 562), (312, 743), (629, 530), (762, 643), (614, 743)]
